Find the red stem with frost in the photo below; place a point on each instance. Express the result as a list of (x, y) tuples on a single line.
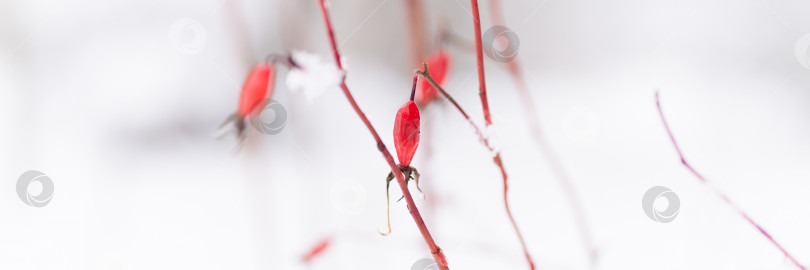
[(438, 255), (720, 194), (482, 92)]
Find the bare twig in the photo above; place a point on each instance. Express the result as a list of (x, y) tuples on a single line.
[(479, 59), (720, 194), (438, 255)]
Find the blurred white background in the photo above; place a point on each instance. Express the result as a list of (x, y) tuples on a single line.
[(118, 108)]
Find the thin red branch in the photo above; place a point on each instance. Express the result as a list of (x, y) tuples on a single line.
[(438, 255), (479, 59), (557, 167), (720, 194)]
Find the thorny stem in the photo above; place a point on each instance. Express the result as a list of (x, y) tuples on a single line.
[(557, 167), (720, 194), (438, 255), (497, 159)]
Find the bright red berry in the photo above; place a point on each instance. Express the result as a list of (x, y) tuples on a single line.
[(258, 86), (439, 64), (406, 131)]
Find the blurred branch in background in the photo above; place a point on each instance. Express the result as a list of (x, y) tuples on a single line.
[(717, 192), (416, 29)]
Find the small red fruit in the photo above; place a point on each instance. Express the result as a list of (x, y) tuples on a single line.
[(406, 140), (439, 64), (406, 132), (257, 87)]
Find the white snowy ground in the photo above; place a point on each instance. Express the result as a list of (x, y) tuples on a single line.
[(118, 110)]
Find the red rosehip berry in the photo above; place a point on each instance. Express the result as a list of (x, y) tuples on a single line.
[(439, 64), (406, 131), (258, 86), (406, 140)]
